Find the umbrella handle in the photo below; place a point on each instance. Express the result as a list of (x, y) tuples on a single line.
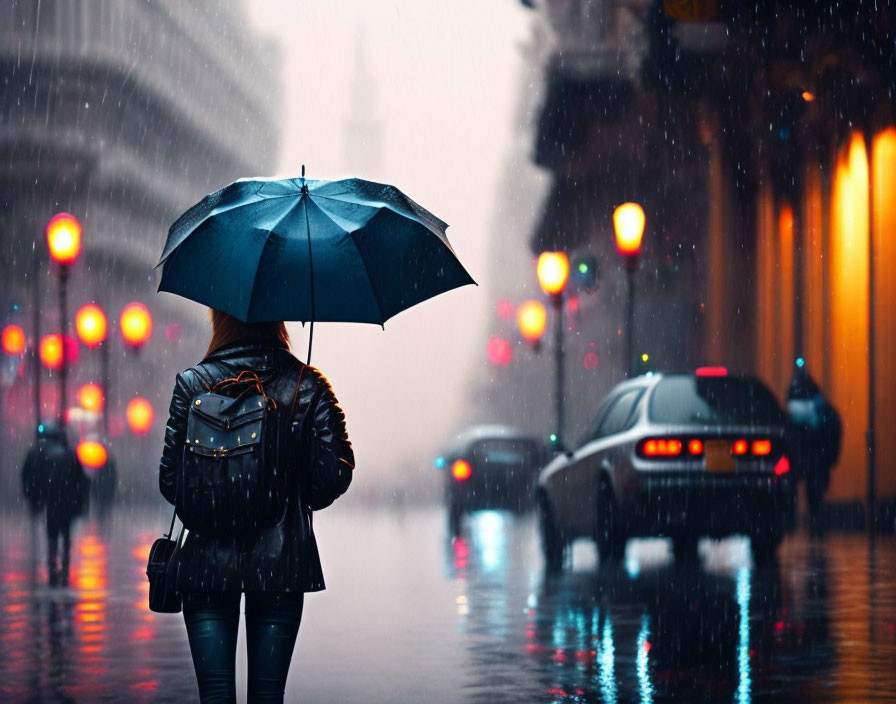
[(310, 264)]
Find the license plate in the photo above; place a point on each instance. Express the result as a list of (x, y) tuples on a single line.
[(717, 455)]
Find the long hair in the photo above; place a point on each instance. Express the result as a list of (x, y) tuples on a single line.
[(227, 329)]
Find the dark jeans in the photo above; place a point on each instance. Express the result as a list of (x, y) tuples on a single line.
[(272, 624), (58, 531)]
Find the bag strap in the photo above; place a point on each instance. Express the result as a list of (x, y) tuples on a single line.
[(170, 532)]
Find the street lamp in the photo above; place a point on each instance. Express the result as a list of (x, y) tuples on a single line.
[(628, 222), (64, 241), (553, 272), (136, 325), (531, 319), (13, 340), (92, 328)]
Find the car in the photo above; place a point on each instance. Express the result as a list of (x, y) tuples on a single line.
[(674, 455), (491, 467)]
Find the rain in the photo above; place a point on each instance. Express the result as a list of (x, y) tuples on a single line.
[(595, 304)]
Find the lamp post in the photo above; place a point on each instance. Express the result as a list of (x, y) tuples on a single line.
[(553, 272), (628, 223), (64, 241), (91, 326)]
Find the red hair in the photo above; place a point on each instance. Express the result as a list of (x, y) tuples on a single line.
[(227, 329)]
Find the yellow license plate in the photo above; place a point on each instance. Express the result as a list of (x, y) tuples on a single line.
[(717, 455)]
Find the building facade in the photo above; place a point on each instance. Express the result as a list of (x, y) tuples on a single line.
[(123, 114), (760, 140)]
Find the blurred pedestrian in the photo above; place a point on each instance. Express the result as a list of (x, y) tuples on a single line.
[(274, 565), (814, 433), (53, 476)]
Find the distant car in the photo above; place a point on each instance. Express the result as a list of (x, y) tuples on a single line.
[(491, 467), (682, 456)]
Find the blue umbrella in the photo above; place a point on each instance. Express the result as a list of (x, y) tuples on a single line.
[(290, 249)]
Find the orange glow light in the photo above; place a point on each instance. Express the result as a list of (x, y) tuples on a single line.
[(740, 447), (91, 397), (90, 322), (762, 447), (461, 470), (553, 271), (13, 340), (92, 454), (808, 96), (695, 447), (531, 317), (51, 351), (628, 222), (140, 416), (136, 324), (64, 238)]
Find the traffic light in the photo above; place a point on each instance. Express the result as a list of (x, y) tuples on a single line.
[(585, 271)]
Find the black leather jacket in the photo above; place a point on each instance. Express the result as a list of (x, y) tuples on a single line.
[(284, 557)]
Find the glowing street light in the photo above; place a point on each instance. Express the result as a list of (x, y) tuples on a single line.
[(92, 455), (91, 397), (90, 324), (553, 273), (64, 242), (628, 222), (531, 318), (136, 324), (13, 340), (51, 351), (140, 416), (64, 238)]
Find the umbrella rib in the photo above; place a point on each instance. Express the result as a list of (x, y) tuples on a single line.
[(264, 248)]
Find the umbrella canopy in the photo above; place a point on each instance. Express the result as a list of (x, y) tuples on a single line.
[(289, 249)]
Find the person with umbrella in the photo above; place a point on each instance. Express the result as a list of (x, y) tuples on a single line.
[(258, 253), (52, 478)]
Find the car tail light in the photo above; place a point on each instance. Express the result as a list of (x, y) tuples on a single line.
[(461, 470), (661, 447), (761, 448), (711, 371), (783, 466), (695, 447), (740, 447)]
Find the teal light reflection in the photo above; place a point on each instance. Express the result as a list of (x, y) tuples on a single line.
[(642, 662), (606, 659), (744, 683)]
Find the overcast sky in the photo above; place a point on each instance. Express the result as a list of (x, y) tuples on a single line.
[(445, 86)]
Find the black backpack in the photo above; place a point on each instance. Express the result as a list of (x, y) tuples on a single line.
[(234, 478)]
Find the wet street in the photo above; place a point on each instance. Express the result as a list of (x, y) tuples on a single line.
[(411, 616)]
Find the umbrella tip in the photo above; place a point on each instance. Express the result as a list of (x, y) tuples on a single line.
[(304, 187)]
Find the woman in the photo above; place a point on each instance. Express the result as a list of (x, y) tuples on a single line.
[(278, 565)]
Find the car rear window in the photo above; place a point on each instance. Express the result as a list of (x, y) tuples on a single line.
[(506, 451), (688, 400)]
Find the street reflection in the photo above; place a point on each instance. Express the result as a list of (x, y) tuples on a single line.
[(648, 630), (93, 641)]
